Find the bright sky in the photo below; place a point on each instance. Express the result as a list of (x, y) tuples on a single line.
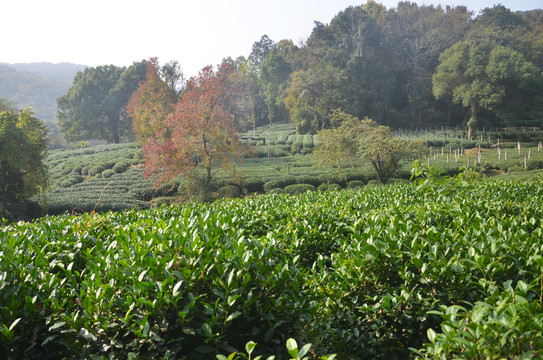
[(196, 32)]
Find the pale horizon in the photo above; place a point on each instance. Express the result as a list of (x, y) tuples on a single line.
[(195, 34)]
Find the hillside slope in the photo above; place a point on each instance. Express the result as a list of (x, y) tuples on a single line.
[(37, 85)]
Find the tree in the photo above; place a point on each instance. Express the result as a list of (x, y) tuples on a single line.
[(364, 139), (199, 133), (481, 75), (260, 51), (275, 71), (384, 152), (151, 103), (94, 106), (420, 35), (311, 96), (249, 108), (172, 74), (22, 170), (7, 105), (339, 145)]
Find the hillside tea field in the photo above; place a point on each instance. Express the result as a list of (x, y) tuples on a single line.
[(438, 269)]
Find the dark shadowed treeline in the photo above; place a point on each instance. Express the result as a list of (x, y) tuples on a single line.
[(392, 65)]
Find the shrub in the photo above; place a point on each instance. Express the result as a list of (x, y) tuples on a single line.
[(65, 183), (355, 175), (76, 179), (297, 189), (515, 168), (254, 185), (355, 184), (161, 200), (108, 173), (143, 193), (307, 142), (535, 165), (71, 180), (77, 169), (297, 145), (308, 179), (279, 183), (281, 139), (397, 181), (120, 167), (329, 187), (277, 191), (229, 191), (96, 169), (138, 155)]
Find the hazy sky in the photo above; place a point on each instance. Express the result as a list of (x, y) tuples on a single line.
[(196, 33)]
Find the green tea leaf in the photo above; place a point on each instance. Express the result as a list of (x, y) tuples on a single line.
[(140, 277), (304, 350), (292, 348), (14, 323), (175, 291), (205, 349), (249, 347), (431, 335)]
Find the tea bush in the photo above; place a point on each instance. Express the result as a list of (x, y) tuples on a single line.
[(297, 189), (329, 187)]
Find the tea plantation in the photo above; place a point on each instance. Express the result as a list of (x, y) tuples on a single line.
[(439, 268), (110, 177)]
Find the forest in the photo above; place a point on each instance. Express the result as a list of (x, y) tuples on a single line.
[(408, 67)]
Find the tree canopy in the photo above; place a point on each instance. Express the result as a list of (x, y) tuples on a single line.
[(151, 103), (403, 67), (200, 132), (384, 64), (94, 106), (22, 170), (355, 139)]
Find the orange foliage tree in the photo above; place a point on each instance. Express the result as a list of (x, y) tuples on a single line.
[(199, 133), (151, 104)]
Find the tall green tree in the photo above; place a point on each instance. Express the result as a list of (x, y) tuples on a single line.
[(248, 106), (311, 96), (260, 51), (94, 106), (482, 76), (22, 170), (420, 34), (275, 71)]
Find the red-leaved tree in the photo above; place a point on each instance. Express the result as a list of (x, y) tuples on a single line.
[(151, 104), (199, 133)]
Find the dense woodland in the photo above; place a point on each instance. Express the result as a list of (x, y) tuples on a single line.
[(406, 67)]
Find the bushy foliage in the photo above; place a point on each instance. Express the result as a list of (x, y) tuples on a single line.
[(446, 266), (329, 187), (22, 169), (355, 184), (229, 191)]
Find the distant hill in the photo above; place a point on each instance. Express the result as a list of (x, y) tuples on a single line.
[(37, 85)]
